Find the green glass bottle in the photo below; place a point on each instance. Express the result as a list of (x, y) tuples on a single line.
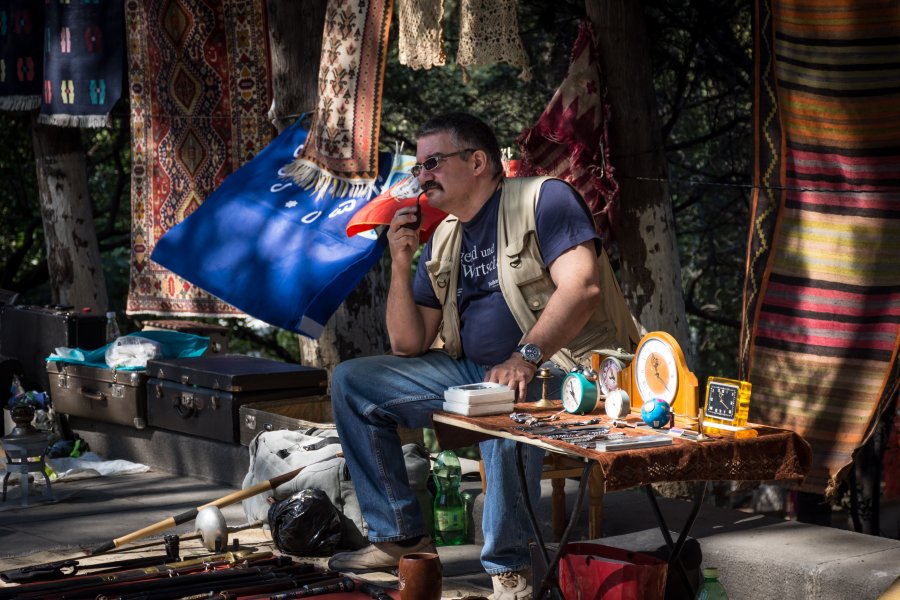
[(711, 589), (449, 506)]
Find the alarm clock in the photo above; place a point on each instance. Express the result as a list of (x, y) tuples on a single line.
[(659, 370), (617, 404), (655, 412), (579, 394), (608, 375), (613, 368)]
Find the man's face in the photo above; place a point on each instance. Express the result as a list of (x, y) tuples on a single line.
[(449, 184)]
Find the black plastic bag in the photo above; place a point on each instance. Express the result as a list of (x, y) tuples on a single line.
[(306, 524)]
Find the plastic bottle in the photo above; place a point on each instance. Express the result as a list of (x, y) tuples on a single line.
[(449, 506), (112, 327), (711, 589)]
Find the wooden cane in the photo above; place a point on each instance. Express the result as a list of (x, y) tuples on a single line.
[(191, 514)]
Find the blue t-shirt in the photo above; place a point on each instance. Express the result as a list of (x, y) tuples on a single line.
[(488, 329)]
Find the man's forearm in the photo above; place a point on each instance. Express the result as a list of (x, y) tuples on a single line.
[(404, 322), (563, 318)]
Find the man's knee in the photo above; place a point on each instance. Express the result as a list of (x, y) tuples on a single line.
[(349, 371)]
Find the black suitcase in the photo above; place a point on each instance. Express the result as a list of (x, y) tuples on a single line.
[(202, 396), (32, 333), (108, 395)]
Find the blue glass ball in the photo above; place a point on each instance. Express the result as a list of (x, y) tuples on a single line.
[(655, 413)]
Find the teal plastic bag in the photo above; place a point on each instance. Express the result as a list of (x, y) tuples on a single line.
[(174, 344)]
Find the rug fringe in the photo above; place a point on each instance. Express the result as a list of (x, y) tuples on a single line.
[(18, 103), (309, 175), (92, 121)]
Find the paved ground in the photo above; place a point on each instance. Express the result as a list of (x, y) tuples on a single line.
[(755, 552)]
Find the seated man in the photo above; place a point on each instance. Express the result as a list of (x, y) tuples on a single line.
[(520, 291)]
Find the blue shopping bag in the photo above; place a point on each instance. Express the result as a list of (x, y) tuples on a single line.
[(272, 249)]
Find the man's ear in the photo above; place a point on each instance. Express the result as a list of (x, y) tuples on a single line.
[(479, 162)]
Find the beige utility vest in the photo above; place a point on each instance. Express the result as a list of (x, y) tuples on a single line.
[(525, 281)]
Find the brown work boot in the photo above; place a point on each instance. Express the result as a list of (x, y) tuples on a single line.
[(382, 555)]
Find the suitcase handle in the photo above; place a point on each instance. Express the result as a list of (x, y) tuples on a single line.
[(185, 406), (93, 395)]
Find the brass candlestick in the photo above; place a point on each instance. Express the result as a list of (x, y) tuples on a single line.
[(545, 377)]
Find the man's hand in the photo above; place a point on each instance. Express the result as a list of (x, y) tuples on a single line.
[(515, 372), (403, 241)]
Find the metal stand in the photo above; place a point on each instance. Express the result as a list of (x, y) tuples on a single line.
[(24, 455)]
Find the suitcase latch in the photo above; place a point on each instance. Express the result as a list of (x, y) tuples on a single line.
[(214, 402), (250, 421), (117, 390), (63, 380), (185, 379)]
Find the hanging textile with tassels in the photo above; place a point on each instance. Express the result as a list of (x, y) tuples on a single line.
[(341, 155)]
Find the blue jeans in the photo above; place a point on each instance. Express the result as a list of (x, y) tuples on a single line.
[(371, 396)]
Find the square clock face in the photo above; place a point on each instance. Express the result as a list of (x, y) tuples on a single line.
[(721, 400)]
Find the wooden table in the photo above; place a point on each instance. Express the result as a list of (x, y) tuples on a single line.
[(774, 455)]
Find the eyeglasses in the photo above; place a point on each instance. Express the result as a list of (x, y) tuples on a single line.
[(431, 163)]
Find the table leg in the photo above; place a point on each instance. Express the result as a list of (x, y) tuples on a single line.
[(676, 547), (549, 583)]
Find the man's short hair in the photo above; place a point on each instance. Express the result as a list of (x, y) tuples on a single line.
[(466, 131)]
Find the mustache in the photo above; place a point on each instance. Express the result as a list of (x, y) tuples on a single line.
[(430, 185)]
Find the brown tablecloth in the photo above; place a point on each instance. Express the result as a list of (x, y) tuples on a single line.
[(775, 454)]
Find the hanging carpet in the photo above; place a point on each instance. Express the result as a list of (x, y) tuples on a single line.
[(341, 155), (569, 140), (21, 54), (200, 89), (822, 293), (82, 62)]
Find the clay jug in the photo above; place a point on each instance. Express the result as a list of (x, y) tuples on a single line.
[(420, 576)]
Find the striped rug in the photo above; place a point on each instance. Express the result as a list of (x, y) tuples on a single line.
[(822, 293)]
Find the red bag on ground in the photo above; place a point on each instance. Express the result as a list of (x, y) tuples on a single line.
[(590, 571)]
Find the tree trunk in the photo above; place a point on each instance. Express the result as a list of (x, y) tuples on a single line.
[(73, 255), (295, 36), (295, 29), (650, 272)]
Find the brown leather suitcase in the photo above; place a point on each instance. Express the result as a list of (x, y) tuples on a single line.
[(99, 394), (292, 414), (202, 396), (217, 334), (298, 414), (31, 333)]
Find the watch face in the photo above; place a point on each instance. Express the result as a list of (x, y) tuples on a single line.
[(656, 373), (721, 401), (609, 373), (531, 353)]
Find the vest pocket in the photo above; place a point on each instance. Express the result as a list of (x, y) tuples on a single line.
[(439, 272)]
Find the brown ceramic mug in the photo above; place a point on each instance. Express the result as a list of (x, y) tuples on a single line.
[(420, 576)]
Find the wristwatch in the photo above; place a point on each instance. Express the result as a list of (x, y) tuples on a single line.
[(531, 353)]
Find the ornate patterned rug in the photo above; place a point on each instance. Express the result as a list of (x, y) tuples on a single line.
[(200, 89), (341, 154), (569, 140), (822, 293)]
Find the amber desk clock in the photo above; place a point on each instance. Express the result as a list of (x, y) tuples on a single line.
[(727, 407)]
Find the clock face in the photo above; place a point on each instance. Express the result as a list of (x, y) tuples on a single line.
[(656, 373), (578, 394), (617, 404), (609, 374), (721, 401)]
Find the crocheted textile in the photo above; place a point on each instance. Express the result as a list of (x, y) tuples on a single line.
[(821, 327), (421, 41), (489, 33), (341, 154), (200, 88), (569, 140), (776, 454)]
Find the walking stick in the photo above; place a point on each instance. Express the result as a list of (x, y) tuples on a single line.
[(191, 514)]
